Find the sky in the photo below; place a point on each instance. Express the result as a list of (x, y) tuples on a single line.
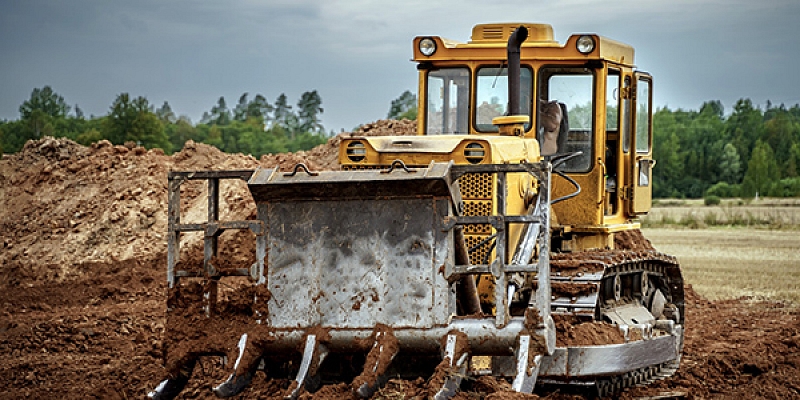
[(356, 53)]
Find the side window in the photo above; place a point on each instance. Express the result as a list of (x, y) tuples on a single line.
[(626, 115), (566, 114), (491, 96), (643, 116), (612, 101), (447, 108)]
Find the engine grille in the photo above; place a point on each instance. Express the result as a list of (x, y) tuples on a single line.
[(477, 193)]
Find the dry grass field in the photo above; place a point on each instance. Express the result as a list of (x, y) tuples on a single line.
[(728, 263), (764, 213)]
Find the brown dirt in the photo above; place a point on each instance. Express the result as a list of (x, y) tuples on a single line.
[(571, 332), (83, 291)]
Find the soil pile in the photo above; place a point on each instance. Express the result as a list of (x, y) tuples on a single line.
[(83, 292)]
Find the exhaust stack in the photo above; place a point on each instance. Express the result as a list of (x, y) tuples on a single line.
[(514, 44)]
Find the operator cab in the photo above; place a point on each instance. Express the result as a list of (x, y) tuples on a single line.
[(584, 96)]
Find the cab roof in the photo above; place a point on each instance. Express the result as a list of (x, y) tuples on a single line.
[(488, 42)]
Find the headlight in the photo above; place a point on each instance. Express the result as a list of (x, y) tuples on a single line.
[(427, 47), (356, 151), (585, 44), (474, 153)]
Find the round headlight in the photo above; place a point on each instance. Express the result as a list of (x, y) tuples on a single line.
[(427, 47), (356, 151), (474, 153), (585, 44)]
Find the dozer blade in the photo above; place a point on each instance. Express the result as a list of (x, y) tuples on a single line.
[(364, 265), (351, 250)]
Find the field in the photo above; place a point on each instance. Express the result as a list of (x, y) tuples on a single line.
[(729, 263), (767, 213)]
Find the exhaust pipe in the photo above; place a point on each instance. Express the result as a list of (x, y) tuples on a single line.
[(514, 44)]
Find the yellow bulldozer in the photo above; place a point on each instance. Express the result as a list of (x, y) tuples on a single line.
[(462, 251)]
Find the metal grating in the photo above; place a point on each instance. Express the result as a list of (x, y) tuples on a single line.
[(476, 186), (478, 256), (477, 194)]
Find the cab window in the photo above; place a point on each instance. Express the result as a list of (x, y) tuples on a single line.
[(566, 114), (643, 116), (491, 96), (447, 108)]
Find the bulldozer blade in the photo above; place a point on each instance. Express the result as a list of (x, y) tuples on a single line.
[(313, 355), (384, 348), (457, 367), (527, 366), (237, 382), (171, 387)]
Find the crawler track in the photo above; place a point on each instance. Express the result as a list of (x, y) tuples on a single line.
[(640, 291)]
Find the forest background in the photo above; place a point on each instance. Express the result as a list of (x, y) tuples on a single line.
[(706, 153)]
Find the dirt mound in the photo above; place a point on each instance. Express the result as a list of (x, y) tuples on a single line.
[(326, 157), (83, 293)]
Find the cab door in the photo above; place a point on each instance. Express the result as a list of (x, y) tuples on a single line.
[(640, 184)]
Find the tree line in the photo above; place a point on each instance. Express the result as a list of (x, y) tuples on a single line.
[(747, 153), (253, 126), (701, 153)]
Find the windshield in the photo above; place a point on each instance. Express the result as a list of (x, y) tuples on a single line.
[(447, 110), (491, 96)]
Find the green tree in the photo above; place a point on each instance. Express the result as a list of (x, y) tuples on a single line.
[(404, 107), (240, 111), (15, 134), (78, 112), (45, 100), (259, 108), (779, 132), (794, 161), (729, 164), (165, 114), (220, 114), (762, 171), (180, 132), (134, 120), (667, 151), (309, 107), (41, 111), (90, 136), (744, 127), (214, 136), (283, 111)]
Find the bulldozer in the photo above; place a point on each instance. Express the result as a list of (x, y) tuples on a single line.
[(462, 251)]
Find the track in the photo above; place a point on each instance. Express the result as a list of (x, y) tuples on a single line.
[(639, 291)]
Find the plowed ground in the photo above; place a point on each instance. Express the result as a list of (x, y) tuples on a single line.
[(82, 285)]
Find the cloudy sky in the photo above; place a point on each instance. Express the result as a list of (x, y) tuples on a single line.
[(356, 53)]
